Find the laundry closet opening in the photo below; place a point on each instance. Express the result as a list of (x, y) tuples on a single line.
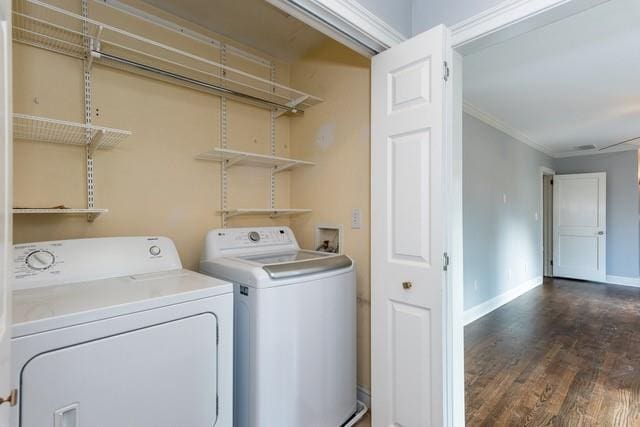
[(202, 117)]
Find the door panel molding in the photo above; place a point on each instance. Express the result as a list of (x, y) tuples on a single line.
[(579, 226), (410, 147)]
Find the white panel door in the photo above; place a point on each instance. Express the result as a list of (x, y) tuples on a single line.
[(6, 202), (407, 231), (579, 226)]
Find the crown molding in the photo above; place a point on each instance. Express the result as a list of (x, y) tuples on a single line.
[(498, 17), (522, 137), (596, 152), (511, 18), (490, 120), (346, 21)]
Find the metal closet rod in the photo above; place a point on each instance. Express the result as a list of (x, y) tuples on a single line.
[(191, 81)]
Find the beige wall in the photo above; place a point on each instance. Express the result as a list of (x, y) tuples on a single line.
[(151, 183), (335, 135)]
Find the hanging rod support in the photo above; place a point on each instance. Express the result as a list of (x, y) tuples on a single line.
[(94, 46)]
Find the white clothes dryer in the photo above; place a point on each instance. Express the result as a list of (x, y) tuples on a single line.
[(113, 332)]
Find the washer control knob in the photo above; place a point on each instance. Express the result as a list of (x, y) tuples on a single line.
[(254, 236), (40, 260), (154, 250)]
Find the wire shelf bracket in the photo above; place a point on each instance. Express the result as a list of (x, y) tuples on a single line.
[(273, 213), (92, 213), (242, 158), (42, 129)]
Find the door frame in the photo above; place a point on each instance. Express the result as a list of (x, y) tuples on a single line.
[(355, 26), (544, 171), (6, 213)]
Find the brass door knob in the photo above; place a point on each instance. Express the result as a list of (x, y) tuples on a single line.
[(407, 285)]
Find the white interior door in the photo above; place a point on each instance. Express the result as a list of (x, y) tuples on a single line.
[(6, 201), (408, 116), (579, 226)]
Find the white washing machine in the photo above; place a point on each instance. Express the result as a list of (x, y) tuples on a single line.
[(113, 332), (295, 325)]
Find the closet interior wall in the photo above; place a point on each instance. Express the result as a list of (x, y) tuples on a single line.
[(335, 136), (151, 182)]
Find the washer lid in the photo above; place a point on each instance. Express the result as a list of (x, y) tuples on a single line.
[(51, 307), (306, 264), (285, 257)]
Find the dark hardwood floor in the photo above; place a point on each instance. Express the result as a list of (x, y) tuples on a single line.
[(564, 354)]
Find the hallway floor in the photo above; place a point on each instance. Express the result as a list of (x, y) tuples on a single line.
[(564, 354)]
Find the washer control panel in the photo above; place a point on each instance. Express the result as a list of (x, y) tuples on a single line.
[(227, 241), (255, 237), (68, 261)]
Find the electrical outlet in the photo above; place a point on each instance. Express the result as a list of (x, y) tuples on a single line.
[(504, 198), (535, 215), (356, 218)]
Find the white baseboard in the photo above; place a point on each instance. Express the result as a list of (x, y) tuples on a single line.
[(480, 310), (624, 281), (364, 395)]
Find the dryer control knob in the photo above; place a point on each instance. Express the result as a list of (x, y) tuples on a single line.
[(40, 260), (254, 236)]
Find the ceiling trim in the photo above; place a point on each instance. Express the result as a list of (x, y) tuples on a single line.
[(497, 17), (485, 27), (346, 21), (522, 137), (490, 120), (596, 152)]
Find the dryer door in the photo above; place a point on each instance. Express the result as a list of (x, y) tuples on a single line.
[(162, 375)]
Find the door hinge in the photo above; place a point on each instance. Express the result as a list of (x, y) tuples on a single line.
[(550, 262), (551, 181), (217, 334), (12, 399), (445, 261), (217, 404), (445, 71)]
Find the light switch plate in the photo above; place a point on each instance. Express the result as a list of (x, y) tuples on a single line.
[(356, 218)]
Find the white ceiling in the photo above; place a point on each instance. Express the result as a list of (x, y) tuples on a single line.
[(574, 82), (254, 23)]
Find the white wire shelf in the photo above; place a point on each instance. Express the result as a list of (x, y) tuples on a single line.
[(41, 129), (91, 213), (49, 27), (269, 212), (242, 158)]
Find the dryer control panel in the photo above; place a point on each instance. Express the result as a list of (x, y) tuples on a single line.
[(229, 241), (68, 261)]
